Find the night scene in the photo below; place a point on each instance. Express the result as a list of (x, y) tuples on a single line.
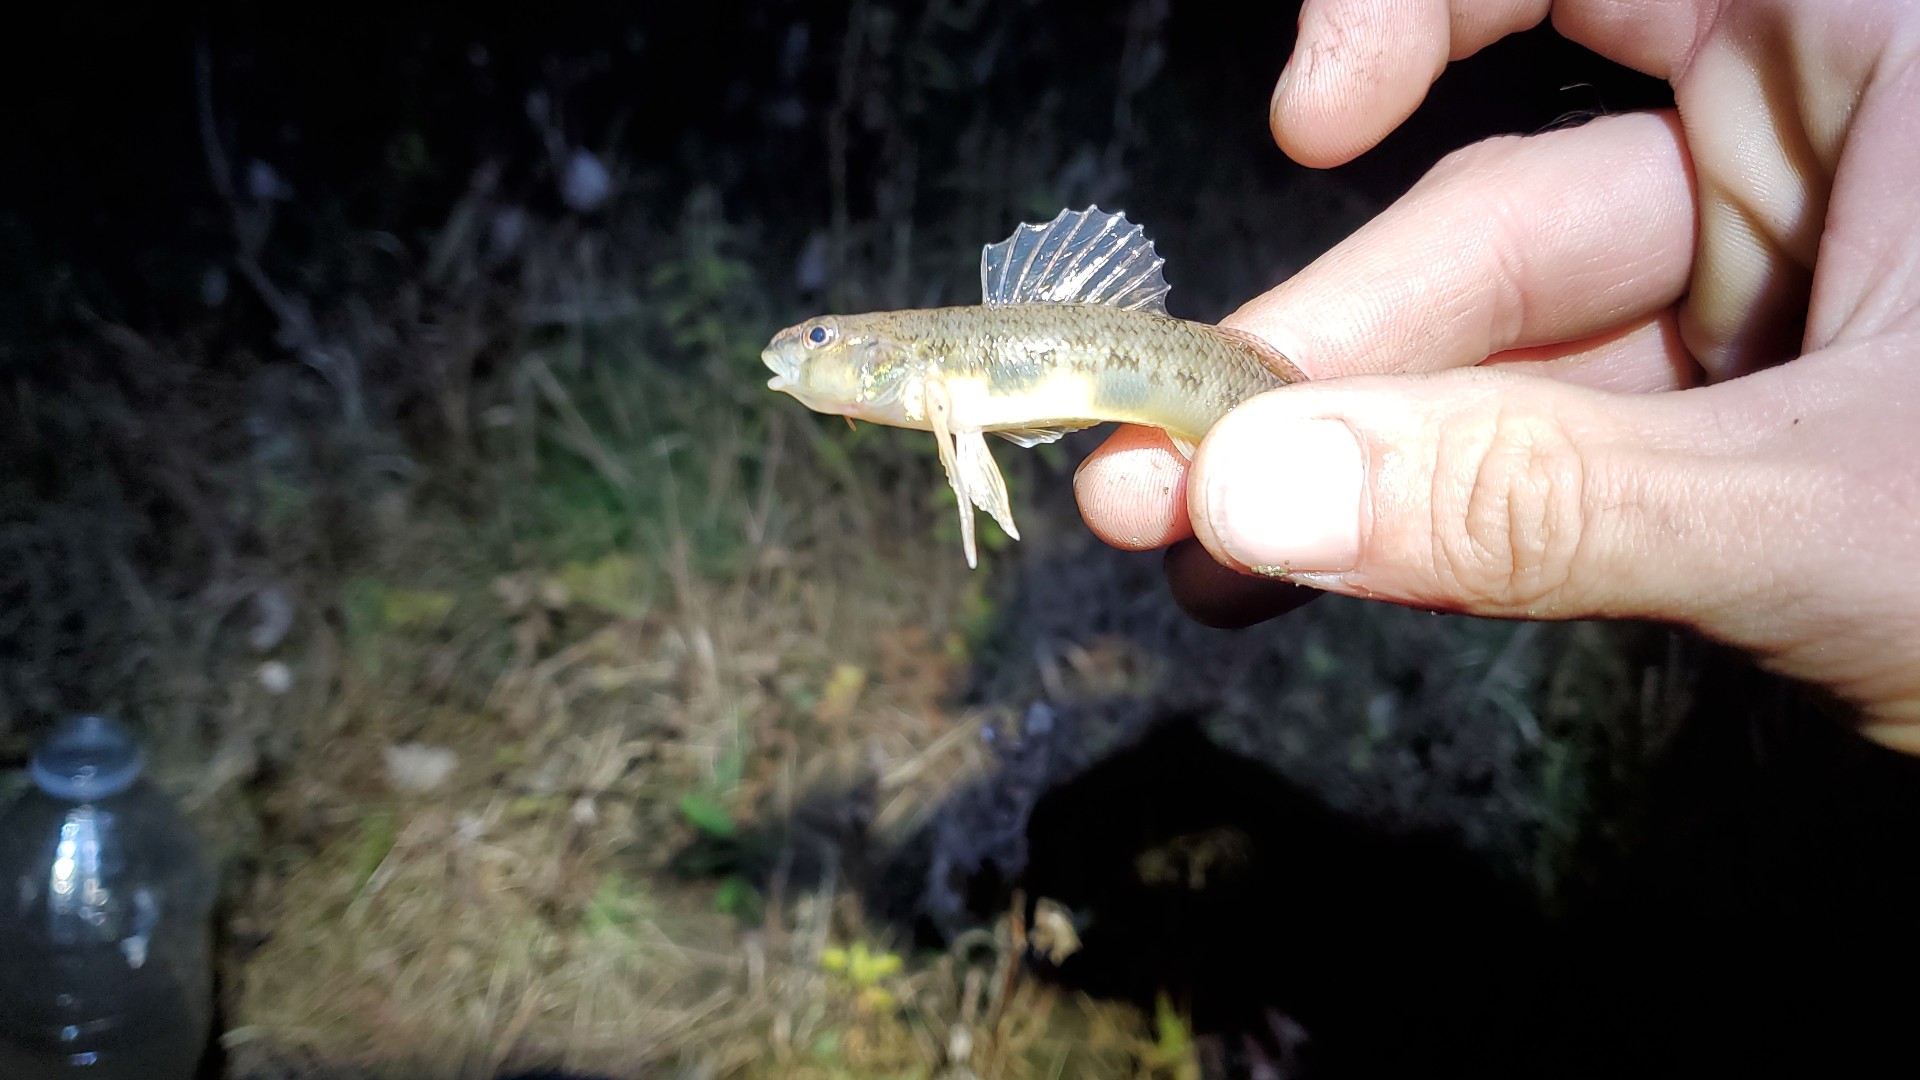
[(948, 540)]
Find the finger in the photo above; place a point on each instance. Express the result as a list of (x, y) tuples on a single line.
[(1791, 90), (1510, 243), (1654, 37), (1485, 492), (1763, 204), (1641, 358), (1224, 599), (1133, 494), (1869, 254), (1132, 491), (1774, 512), (1360, 67)]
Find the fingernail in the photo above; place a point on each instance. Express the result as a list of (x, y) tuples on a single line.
[(1286, 497)]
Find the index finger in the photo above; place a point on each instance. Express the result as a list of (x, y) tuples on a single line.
[(1515, 242)]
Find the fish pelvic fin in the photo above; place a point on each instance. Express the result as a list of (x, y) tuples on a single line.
[(1080, 257), (971, 471), (981, 475)]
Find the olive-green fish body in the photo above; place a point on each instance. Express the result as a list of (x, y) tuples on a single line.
[(1044, 365), (1074, 333)]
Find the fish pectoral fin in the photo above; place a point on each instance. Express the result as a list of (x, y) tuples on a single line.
[(971, 471), (1184, 447), (1034, 436)]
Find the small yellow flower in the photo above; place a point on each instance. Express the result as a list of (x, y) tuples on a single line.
[(866, 968)]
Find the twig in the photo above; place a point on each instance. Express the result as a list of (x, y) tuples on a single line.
[(839, 136), (340, 371), (575, 432), (217, 166), (1010, 960)]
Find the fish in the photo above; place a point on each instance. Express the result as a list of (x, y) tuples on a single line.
[(1072, 331)]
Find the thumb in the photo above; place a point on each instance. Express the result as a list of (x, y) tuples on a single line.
[(1485, 491)]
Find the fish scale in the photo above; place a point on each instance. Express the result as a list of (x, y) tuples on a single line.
[(1073, 332), (1040, 362)]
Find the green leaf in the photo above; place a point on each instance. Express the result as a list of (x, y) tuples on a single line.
[(826, 1047), (729, 767), (737, 897), (615, 906), (377, 835), (613, 585), (705, 813), (363, 604), (416, 607)]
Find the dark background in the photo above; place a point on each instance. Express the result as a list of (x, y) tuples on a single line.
[(377, 113)]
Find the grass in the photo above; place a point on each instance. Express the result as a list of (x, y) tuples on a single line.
[(674, 607), (524, 914), (627, 659)]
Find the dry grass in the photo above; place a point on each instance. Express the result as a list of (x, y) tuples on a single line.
[(633, 600), (525, 911)]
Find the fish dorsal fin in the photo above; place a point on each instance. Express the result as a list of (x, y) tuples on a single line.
[(1080, 257)]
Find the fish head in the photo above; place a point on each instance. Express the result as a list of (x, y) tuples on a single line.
[(846, 365)]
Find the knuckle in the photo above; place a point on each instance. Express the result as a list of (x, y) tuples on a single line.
[(1486, 209), (1509, 512)]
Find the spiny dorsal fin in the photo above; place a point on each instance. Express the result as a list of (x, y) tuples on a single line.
[(1080, 257)]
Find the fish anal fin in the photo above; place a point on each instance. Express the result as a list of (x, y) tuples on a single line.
[(1034, 436), (1080, 257)]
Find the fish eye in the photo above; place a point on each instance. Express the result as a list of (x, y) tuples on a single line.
[(819, 334)]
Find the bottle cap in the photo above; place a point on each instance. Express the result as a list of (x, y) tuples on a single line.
[(86, 758)]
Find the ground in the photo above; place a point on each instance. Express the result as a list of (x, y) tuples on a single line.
[(615, 814)]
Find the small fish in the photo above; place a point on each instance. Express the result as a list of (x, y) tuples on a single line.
[(1074, 332)]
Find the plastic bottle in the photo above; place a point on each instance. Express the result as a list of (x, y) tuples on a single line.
[(105, 903)]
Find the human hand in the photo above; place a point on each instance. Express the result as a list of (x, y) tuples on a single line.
[(1481, 433)]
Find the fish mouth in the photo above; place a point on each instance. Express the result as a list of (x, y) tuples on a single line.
[(783, 370)]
